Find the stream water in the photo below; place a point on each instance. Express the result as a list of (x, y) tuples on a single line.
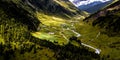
[(97, 51)]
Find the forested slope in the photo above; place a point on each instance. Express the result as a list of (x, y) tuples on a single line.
[(20, 18)]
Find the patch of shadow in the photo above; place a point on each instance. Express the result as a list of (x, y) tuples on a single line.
[(70, 52), (20, 14)]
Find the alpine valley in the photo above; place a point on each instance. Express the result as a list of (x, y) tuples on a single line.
[(59, 30)]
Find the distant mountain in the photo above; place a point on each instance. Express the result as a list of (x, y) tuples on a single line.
[(90, 6), (94, 7)]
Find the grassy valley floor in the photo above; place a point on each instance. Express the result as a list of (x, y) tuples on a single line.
[(93, 36), (56, 38), (58, 31)]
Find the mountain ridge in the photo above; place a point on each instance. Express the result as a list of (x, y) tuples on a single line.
[(94, 8), (91, 5), (110, 13)]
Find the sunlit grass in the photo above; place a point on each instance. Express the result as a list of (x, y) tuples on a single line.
[(66, 5), (44, 36), (91, 36), (56, 25), (50, 20), (16, 33), (2, 40), (18, 39), (53, 24), (52, 38)]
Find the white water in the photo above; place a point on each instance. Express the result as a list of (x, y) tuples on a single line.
[(97, 51), (78, 35)]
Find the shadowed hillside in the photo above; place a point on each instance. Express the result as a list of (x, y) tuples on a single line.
[(21, 22), (107, 19)]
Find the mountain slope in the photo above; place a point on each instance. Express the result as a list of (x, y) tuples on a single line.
[(33, 30), (91, 6), (51, 6), (101, 30), (107, 19), (19, 13)]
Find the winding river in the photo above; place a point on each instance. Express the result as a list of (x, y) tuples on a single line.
[(97, 51)]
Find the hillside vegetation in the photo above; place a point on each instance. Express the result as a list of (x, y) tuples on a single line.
[(107, 21), (57, 30), (26, 26)]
